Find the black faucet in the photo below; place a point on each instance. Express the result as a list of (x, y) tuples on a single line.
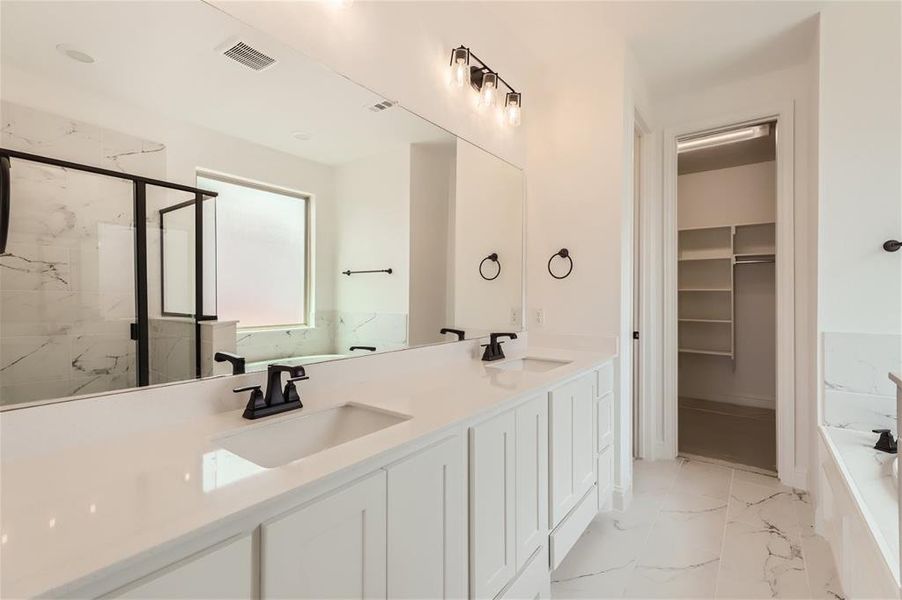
[(276, 400), (886, 443), (237, 361), (370, 348), (493, 349), (458, 332)]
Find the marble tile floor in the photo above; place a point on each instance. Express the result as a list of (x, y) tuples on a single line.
[(699, 530)]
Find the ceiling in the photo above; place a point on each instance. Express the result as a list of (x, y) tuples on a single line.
[(169, 65), (684, 45)]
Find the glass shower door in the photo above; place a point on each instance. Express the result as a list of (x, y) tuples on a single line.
[(67, 284)]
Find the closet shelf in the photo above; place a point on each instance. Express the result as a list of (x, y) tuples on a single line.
[(722, 321), (706, 352)]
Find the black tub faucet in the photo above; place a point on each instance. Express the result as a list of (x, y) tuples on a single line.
[(458, 332), (276, 400), (493, 349), (237, 361), (886, 443)]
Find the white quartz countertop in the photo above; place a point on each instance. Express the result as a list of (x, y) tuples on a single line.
[(72, 515)]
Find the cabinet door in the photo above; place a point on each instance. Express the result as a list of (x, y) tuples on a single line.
[(572, 445), (492, 505), (532, 478), (221, 572), (331, 548), (427, 524)]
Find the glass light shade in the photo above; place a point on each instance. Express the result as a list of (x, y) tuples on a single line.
[(489, 93), (460, 67), (512, 109)]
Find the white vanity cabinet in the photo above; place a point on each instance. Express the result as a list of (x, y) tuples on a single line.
[(492, 505), (508, 503), (334, 547), (604, 412), (427, 523), (572, 457), (224, 571)]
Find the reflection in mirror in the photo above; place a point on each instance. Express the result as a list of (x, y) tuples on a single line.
[(294, 216)]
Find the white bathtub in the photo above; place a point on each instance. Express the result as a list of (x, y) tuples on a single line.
[(260, 365)]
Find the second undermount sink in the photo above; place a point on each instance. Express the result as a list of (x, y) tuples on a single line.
[(530, 363), (275, 444)]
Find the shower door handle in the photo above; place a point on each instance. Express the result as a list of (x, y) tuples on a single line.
[(4, 202)]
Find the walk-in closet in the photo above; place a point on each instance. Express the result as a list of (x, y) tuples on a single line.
[(726, 212)]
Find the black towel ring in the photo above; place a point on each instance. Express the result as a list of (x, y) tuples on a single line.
[(494, 258), (563, 253)]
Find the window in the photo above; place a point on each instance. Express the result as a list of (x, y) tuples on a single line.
[(262, 275)]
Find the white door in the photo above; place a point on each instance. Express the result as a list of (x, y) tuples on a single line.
[(331, 548), (532, 477), (572, 445), (492, 505), (427, 524)]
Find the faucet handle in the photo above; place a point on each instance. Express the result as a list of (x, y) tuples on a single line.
[(247, 388), (256, 400), (886, 443)]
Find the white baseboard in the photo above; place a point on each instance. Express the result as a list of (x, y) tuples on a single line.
[(622, 497), (739, 400), (797, 479)]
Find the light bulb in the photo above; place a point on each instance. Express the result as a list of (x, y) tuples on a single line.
[(460, 67), (488, 93), (512, 109)]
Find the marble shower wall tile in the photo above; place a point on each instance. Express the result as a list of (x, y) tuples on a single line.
[(860, 362), (268, 344), (67, 286), (862, 412), (857, 392), (385, 331)]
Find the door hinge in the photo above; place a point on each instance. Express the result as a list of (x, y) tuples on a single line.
[(133, 331), (635, 335)]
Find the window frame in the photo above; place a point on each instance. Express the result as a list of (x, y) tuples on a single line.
[(309, 200)]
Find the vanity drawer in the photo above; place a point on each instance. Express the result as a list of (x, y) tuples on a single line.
[(565, 535), (604, 380), (224, 571), (534, 583), (604, 409), (605, 475)]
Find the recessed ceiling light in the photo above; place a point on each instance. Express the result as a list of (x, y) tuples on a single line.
[(300, 135), (75, 54)]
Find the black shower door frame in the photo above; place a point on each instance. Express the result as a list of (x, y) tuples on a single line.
[(140, 329)]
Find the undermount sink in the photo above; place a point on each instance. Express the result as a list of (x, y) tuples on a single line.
[(530, 363), (275, 444)]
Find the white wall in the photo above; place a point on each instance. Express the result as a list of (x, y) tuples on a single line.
[(859, 148), (431, 189), (743, 194), (488, 218), (372, 210)]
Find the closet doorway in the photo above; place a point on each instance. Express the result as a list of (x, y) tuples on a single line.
[(726, 217)]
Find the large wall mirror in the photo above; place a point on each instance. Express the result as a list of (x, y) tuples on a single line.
[(309, 219)]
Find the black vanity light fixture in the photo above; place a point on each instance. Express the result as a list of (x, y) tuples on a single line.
[(485, 81)]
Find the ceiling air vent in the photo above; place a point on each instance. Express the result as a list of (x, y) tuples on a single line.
[(380, 106), (246, 55)]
